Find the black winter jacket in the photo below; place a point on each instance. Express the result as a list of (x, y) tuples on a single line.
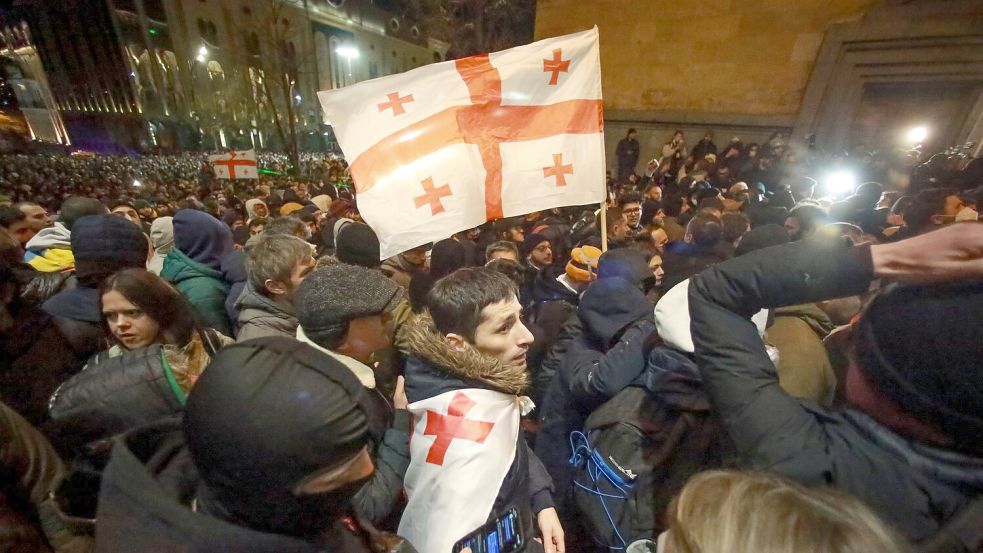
[(915, 487), (115, 393), (146, 499)]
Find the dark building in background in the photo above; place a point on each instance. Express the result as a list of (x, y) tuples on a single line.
[(89, 79), (170, 75)]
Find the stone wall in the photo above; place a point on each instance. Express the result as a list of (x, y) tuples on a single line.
[(749, 69), (703, 58)]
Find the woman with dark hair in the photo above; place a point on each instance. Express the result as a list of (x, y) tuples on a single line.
[(159, 351)]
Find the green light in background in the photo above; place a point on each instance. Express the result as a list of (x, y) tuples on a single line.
[(152, 31), (265, 171)]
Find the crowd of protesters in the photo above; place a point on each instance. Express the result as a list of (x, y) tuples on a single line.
[(763, 359)]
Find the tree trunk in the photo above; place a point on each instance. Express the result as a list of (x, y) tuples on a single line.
[(291, 123)]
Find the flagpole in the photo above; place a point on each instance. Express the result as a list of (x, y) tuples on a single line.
[(604, 225)]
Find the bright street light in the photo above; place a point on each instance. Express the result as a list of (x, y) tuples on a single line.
[(840, 183), (917, 135), (349, 52), (203, 51), (200, 58)]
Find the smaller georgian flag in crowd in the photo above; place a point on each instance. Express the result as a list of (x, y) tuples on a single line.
[(237, 164), (449, 146)]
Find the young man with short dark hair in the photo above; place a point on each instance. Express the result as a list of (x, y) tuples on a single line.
[(17, 224), (275, 267), (126, 209), (464, 380), (631, 205)]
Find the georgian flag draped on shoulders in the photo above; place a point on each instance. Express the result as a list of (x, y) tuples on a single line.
[(462, 446), (449, 146)]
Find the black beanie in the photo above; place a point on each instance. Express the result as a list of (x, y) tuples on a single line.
[(921, 347), (530, 242), (357, 244), (446, 257), (331, 296), (104, 244), (624, 263)]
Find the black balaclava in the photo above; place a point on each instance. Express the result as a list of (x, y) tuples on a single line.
[(265, 415)]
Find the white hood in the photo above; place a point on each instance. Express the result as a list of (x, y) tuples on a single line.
[(673, 323)]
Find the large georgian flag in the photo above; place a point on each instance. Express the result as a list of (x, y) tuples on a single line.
[(446, 147), (462, 446), (237, 164)]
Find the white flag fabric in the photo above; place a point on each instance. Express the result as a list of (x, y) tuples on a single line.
[(462, 446), (446, 147), (237, 164)]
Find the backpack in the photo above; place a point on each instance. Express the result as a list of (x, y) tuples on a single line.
[(633, 456)]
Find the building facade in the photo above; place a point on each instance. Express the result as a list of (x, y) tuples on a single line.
[(188, 74), (837, 74)]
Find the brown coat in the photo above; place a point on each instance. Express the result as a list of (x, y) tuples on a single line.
[(804, 369)]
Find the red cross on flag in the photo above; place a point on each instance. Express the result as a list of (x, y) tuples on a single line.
[(446, 147), (237, 164), (462, 446)]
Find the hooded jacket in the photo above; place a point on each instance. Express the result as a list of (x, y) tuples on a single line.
[(146, 503), (915, 487), (251, 208), (50, 250), (433, 368), (202, 285), (601, 360), (260, 316), (234, 274), (162, 239), (195, 265), (267, 416)]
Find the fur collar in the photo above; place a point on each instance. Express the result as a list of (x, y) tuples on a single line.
[(423, 340)]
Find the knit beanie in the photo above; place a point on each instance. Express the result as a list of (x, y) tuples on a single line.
[(231, 216), (357, 244), (289, 208), (104, 244), (921, 346), (331, 296), (531, 241), (446, 257), (583, 263), (323, 202), (624, 263)]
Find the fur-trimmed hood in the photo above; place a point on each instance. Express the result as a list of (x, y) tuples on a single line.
[(470, 365)]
